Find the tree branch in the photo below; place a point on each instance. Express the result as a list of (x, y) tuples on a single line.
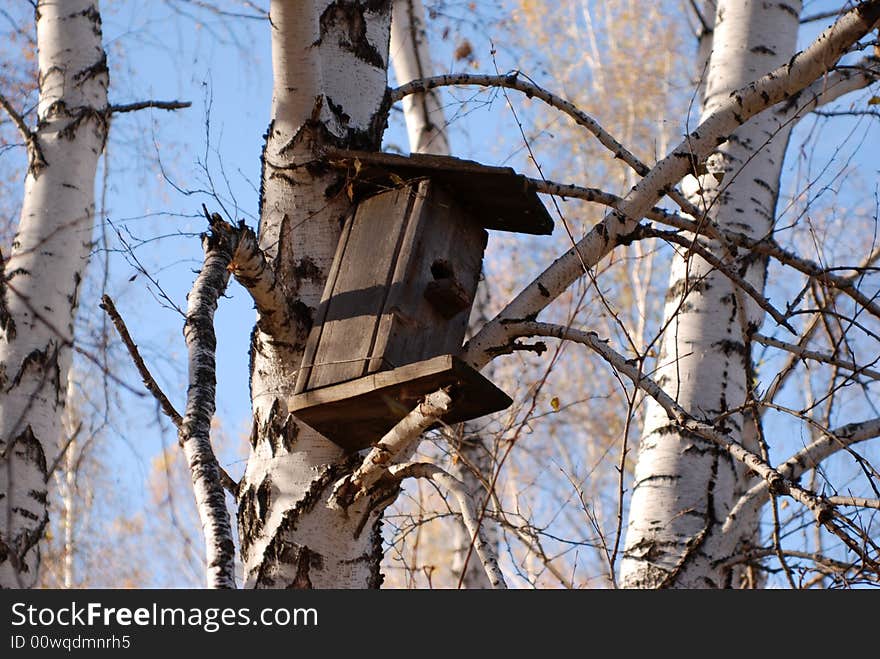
[(855, 502), (768, 247), (739, 107), (395, 442), (695, 246), (149, 381), (831, 87), (36, 161), (815, 356), (195, 428), (70, 440), (807, 458), (143, 105), (253, 271), (773, 479), (466, 506)]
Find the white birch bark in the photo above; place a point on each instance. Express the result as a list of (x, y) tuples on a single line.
[(411, 59), (330, 70), (44, 270), (426, 129), (683, 487)]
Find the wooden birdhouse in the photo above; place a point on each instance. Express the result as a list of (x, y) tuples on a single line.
[(395, 309)]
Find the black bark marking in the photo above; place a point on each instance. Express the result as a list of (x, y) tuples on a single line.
[(376, 576), (788, 8), (304, 317), (345, 20), (763, 50), (92, 14), (43, 362), (341, 115), (543, 290), (280, 430), (303, 565), (307, 269), (93, 71)]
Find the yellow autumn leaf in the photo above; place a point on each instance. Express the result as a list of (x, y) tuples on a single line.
[(874, 100), (554, 403)]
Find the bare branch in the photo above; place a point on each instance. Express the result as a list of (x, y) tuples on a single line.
[(35, 153), (143, 105), (820, 16), (723, 268), (808, 458), (252, 270), (831, 87), (395, 442), (774, 480), (855, 502), (739, 107), (816, 356), (149, 381), (484, 549), (769, 247), (195, 428), (70, 440)]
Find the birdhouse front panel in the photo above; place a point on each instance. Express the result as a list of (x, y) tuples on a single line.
[(400, 288)]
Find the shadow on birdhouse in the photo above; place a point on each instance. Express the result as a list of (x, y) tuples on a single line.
[(395, 308)]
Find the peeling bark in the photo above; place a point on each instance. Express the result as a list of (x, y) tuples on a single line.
[(44, 270)]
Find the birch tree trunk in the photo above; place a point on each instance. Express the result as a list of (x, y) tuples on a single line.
[(330, 68), (684, 487), (44, 271)]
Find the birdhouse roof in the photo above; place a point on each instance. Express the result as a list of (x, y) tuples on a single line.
[(497, 197)]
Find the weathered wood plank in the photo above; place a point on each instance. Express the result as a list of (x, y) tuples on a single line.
[(357, 413), (413, 329), (361, 288), (314, 338)]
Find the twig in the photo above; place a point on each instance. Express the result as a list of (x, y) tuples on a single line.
[(856, 502), (149, 381), (800, 351), (35, 153), (820, 16), (723, 268), (143, 105), (57, 460)]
